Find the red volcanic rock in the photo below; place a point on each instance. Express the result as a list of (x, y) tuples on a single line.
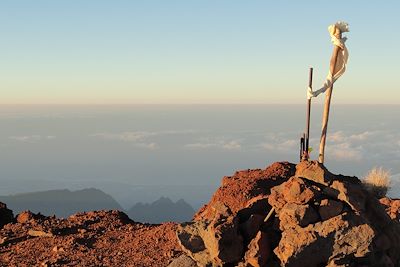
[(237, 190), (97, 238), (28, 216), (293, 215), (314, 171), (295, 190), (339, 239)]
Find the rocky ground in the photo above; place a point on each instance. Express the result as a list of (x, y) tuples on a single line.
[(98, 238), (284, 215)]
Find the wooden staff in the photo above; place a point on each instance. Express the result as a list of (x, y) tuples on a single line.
[(328, 97)]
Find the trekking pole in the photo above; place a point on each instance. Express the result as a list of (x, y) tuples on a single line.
[(302, 146)]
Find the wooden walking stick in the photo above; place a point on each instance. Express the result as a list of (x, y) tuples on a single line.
[(337, 67), (328, 98)]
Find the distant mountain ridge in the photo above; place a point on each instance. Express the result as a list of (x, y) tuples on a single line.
[(61, 203), (64, 203), (162, 210)]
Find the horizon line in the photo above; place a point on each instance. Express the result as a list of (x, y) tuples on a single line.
[(186, 104)]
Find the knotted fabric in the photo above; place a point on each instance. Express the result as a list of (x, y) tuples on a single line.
[(343, 55)]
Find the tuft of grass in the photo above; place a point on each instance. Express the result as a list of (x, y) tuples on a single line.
[(377, 181)]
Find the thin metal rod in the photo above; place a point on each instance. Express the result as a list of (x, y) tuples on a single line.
[(308, 114)]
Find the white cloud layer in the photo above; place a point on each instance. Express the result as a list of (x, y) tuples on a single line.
[(31, 138), (344, 152), (226, 145), (125, 136), (281, 146), (135, 136), (374, 145), (141, 139), (350, 146)]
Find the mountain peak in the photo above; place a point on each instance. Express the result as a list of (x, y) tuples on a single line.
[(161, 210)]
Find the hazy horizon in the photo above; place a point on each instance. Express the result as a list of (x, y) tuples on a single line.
[(139, 153)]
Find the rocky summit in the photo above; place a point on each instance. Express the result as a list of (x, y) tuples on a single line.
[(293, 215), (284, 215)]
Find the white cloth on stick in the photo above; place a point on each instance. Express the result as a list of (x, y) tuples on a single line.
[(341, 61)]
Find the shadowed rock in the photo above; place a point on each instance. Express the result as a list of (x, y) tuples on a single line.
[(259, 250), (6, 215), (329, 208)]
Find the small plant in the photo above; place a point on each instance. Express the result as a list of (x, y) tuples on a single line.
[(377, 181)]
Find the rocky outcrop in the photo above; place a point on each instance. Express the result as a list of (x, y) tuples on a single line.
[(6, 215), (290, 215)]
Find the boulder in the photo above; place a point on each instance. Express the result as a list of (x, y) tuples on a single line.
[(212, 243), (28, 216), (295, 190), (6, 215), (190, 237), (224, 241), (293, 215), (343, 238), (314, 171)]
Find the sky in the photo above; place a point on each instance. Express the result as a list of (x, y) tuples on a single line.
[(187, 52)]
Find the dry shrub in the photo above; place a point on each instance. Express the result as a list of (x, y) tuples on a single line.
[(377, 181)]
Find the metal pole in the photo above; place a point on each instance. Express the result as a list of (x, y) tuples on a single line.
[(308, 114)]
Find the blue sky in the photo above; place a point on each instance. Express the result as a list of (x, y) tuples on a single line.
[(112, 52)]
